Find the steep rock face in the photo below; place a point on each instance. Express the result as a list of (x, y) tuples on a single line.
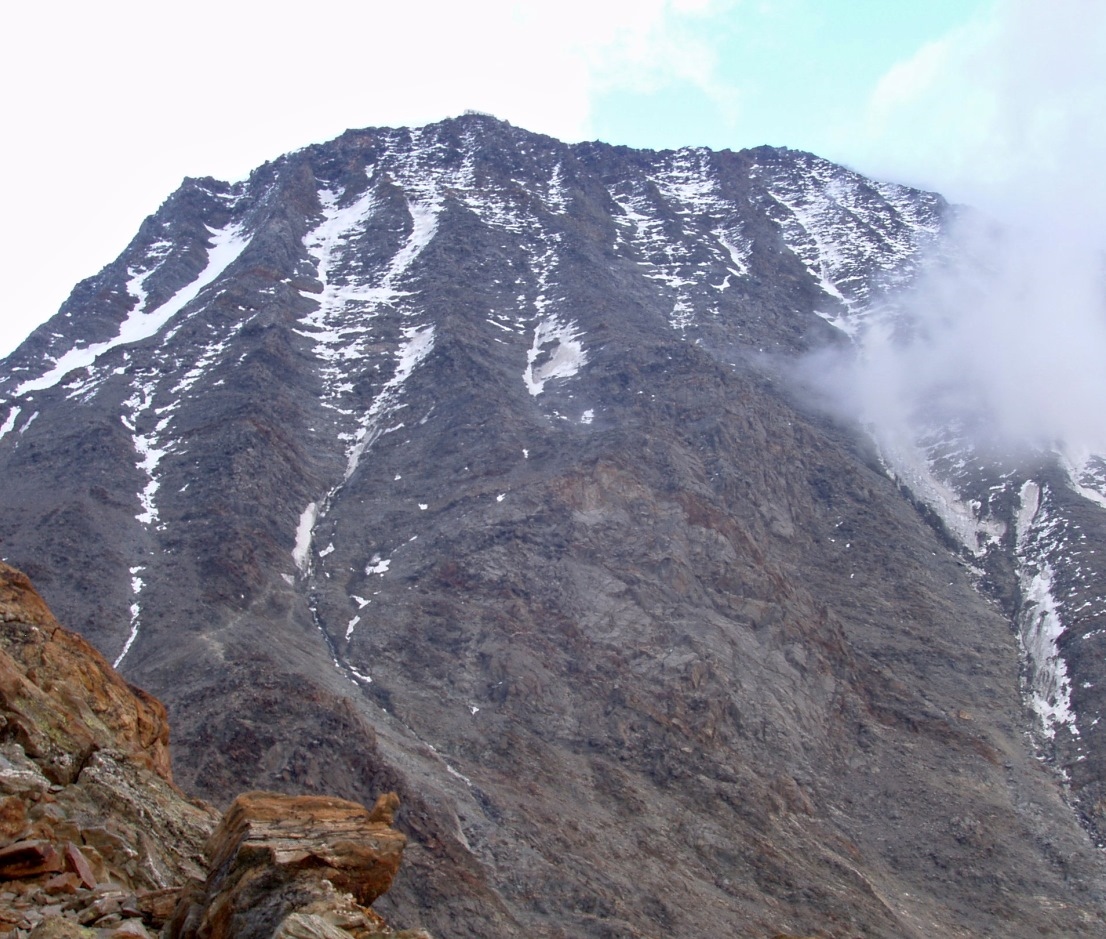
[(461, 462)]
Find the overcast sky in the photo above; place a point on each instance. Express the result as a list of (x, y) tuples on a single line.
[(109, 105)]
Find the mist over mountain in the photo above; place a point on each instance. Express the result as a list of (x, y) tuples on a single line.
[(1004, 328), (699, 542)]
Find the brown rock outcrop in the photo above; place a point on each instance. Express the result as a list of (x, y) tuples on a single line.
[(60, 698), (291, 860), (96, 841)]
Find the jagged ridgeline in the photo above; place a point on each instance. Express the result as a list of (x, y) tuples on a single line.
[(462, 462)]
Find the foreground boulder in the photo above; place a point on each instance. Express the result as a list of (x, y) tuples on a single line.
[(282, 865), (97, 841)]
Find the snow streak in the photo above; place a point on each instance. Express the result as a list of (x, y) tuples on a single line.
[(854, 237), (1040, 626), (226, 246)]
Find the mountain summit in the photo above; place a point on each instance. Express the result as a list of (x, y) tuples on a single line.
[(461, 462)]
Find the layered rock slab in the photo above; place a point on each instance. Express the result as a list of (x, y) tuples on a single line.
[(284, 862)]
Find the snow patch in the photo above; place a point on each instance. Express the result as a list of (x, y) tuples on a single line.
[(27, 423), (558, 347), (1048, 687), (136, 611), (378, 566), (853, 236), (1086, 474), (1039, 630), (1028, 504), (557, 196), (908, 464), (301, 553), (417, 345)]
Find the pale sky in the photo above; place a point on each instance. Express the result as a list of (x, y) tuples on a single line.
[(109, 105)]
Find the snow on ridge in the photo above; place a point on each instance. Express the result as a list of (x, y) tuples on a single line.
[(846, 229), (685, 185), (688, 181), (810, 229), (227, 244), (667, 261), (565, 354), (690, 185), (556, 196), (906, 203)]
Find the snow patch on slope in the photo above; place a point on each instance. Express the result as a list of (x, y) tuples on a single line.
[(556, 353), (909, 465), (9, 422), (854, 237), (676, 218), (347, 302), (301, 553), (136, 612), (1086, 474)]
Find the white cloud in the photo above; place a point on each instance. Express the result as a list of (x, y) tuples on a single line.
[(1010, 103), (1008, 339), (1004, 113)]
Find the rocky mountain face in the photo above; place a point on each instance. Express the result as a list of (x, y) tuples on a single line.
[(96, 842), (468, 464)]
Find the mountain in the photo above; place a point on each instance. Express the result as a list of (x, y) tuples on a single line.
[(461, 462)]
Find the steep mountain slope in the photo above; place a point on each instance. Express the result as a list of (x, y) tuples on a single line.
[(463, 462)]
